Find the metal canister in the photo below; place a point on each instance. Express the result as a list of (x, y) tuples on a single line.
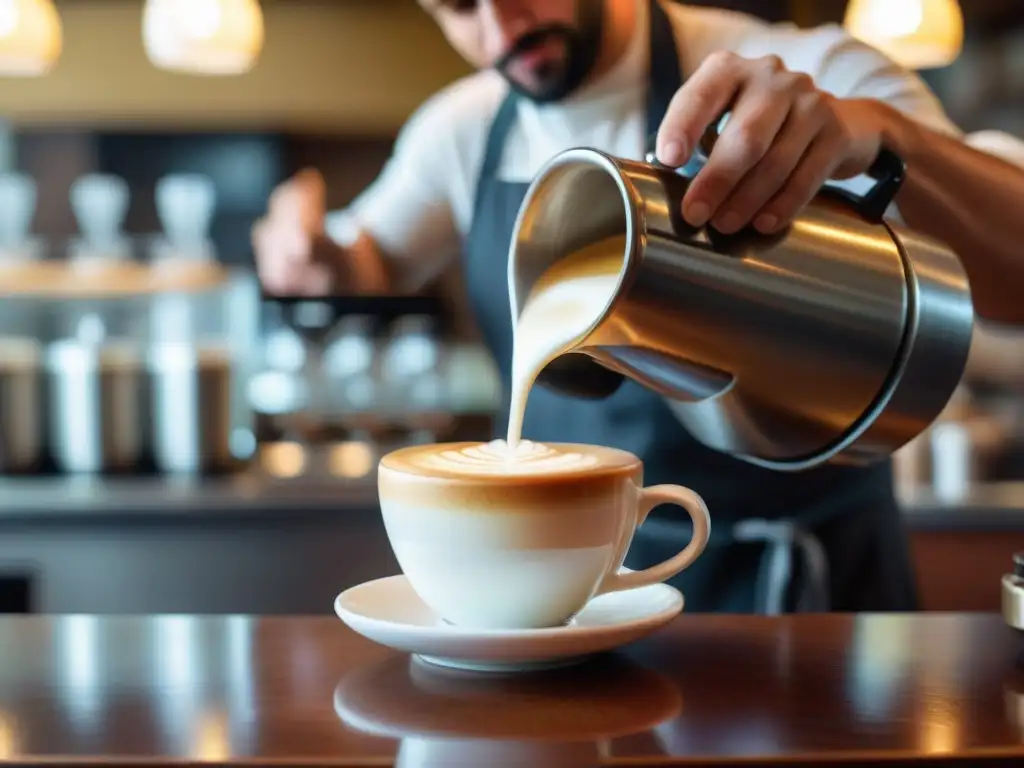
[(98, 406), (20, 407), (191, 406)]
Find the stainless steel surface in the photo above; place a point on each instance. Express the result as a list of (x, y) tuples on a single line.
[(838, 340), (191, 408), (98, 406)]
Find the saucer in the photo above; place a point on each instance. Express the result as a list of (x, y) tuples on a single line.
[(388, 611)]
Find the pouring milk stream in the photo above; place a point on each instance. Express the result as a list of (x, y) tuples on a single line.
[(562, 306)]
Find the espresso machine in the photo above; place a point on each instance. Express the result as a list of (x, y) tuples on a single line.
[(115, 364), (838, 340)]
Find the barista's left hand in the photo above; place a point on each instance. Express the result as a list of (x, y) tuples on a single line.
[(783, 140)]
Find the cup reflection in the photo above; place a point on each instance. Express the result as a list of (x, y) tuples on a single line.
[(564, 717)]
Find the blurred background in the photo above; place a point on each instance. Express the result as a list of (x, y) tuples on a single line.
[(170, 441)]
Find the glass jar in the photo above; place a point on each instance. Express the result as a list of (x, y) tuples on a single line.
[(96, 307), (21, 359)]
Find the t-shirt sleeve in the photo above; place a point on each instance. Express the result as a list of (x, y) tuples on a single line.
[(408, 208), (850, 68), (998, 143)]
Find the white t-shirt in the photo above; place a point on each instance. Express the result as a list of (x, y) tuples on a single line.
[(421, 205)]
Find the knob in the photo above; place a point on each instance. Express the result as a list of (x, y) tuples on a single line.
[(185, 204), (100, 204)]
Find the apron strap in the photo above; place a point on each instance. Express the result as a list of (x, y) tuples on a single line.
[(494, 150), (784, 541)]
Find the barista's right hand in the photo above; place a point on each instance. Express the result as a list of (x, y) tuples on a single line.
[(294, 257)]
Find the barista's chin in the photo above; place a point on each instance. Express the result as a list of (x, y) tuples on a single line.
[(550, 64)]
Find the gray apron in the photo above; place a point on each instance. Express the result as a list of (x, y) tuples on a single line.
[(825, 539)]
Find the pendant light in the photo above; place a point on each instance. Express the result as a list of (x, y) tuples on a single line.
[(919, 34), (203, 37), (30, 37)]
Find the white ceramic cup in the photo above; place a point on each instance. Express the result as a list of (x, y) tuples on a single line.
[(498, 547)]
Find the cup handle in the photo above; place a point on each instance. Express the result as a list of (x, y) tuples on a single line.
[(649, 499)]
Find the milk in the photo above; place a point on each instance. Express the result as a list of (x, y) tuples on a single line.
[(562, 307)]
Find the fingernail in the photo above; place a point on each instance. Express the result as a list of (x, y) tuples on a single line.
[(766, 222), (728, 223), (671, 154), (698, 214)]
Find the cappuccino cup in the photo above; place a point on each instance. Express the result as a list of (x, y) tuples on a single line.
[(490, 540)]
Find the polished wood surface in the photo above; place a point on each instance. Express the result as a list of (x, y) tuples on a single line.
[(707, 690), (956, 569)]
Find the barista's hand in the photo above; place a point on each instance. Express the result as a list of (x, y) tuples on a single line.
[(293, 255), (783, 140)]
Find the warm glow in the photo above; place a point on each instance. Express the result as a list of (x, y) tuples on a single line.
[(9, 747), (212, 738), (284, 460), (30, 37), (352, 460), (919, 34), (203, 37)]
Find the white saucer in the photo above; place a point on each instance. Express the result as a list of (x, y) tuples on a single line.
[(388, 611)]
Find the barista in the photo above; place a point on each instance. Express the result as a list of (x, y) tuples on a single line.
[(808, 106)]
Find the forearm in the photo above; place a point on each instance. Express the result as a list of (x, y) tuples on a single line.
[(971, 201)]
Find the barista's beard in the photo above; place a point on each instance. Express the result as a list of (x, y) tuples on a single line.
[(582, 48)]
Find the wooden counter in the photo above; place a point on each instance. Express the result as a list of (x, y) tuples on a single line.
[(707, 690)]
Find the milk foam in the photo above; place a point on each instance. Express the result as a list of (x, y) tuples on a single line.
[(564, 304), (496, 457)]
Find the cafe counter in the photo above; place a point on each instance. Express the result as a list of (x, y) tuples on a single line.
[(265, 542), (878, 690)]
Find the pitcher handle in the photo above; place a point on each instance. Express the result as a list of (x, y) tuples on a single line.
[(888, 172), (649, 499)]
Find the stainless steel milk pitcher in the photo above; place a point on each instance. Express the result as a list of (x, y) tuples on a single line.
[(839, 339)]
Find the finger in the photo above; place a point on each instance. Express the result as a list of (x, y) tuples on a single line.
[(313, 191), (301, 199), (766, 179), (700, 102), (814, 169), (756, 119)]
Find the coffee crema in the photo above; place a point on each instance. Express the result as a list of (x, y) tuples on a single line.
[(494, 460), (496, 457)]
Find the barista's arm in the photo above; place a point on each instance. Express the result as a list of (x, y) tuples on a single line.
[(973, 201), (790, 132), (400, 233)]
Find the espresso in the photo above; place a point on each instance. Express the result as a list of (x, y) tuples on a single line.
[(559, 312)]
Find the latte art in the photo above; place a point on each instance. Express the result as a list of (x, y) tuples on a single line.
[(495, 457)]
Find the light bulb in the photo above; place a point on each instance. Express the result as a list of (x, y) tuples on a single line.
[(8, 18), (30, 37), (209, 37), (919, 34)]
